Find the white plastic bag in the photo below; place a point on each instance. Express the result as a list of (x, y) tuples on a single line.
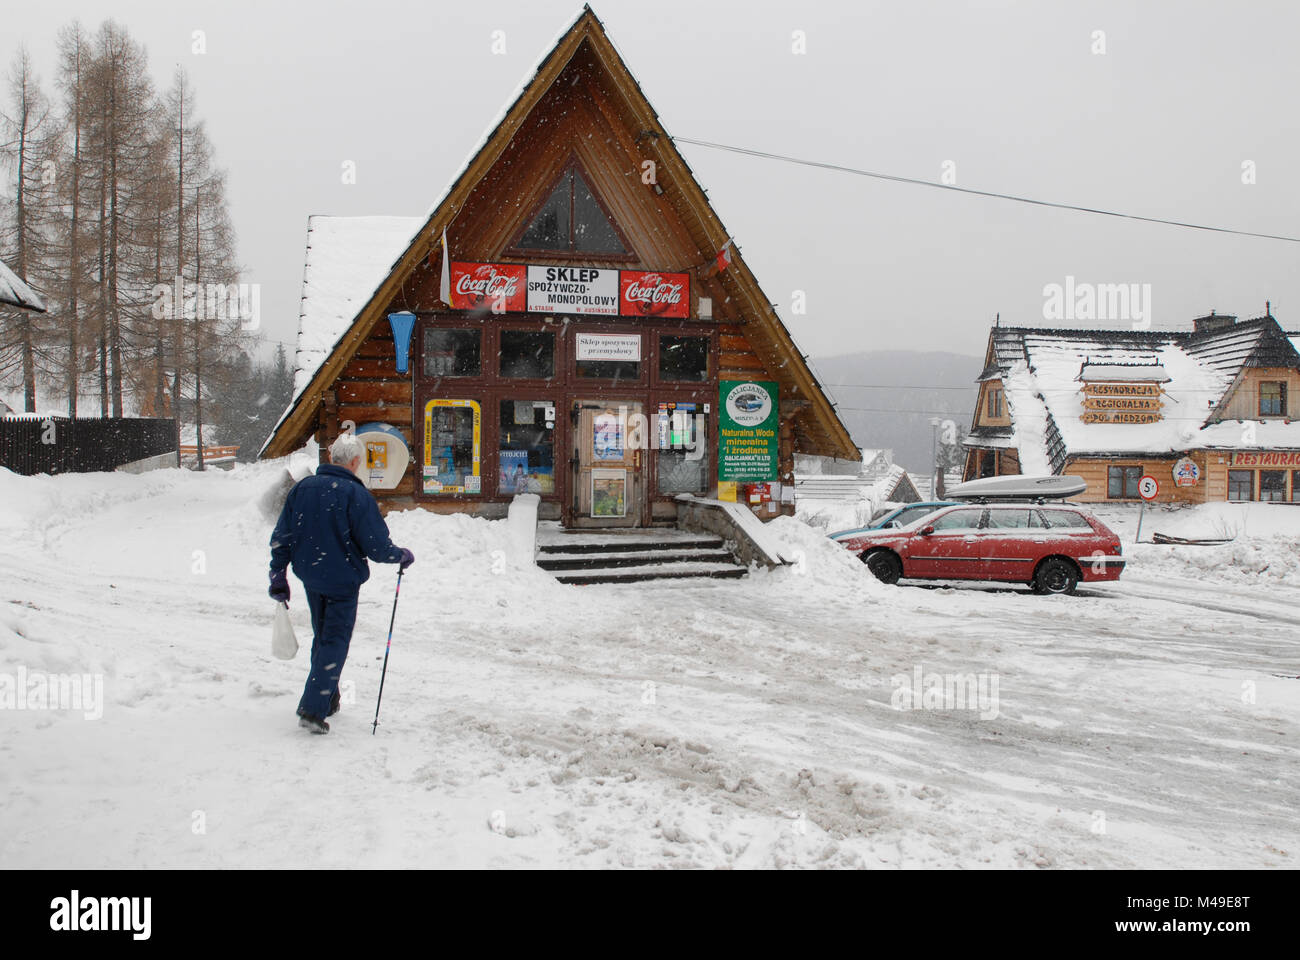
[(284, 644)]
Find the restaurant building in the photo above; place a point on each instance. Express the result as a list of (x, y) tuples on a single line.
[(571, 319), (1210, 412)]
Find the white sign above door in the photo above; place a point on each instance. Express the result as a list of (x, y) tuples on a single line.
[(609, 346)]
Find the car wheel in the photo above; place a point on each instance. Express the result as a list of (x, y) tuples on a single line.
[(1055, 575), (884, 566)]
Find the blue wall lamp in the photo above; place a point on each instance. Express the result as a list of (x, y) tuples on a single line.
[(402, 324)]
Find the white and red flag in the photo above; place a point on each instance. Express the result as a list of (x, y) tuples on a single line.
[(724, 257)]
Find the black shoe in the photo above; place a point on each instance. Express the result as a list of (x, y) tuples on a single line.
[(314, 724), (335, 702)]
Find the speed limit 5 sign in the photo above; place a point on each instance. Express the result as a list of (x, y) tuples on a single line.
[(1148, 487)]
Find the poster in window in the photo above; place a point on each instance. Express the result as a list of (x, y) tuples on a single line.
[(607, 437), (513, 470), (608, 493), (452, 439)]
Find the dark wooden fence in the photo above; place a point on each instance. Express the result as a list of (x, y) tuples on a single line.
[(32, 445)]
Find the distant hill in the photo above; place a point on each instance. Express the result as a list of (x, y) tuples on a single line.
[(887, 397)]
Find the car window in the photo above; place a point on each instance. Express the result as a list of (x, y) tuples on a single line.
[(958, 520), (908, 514), (1008, 519), (1065, 520)]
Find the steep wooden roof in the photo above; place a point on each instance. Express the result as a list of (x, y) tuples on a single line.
[(694, 224)]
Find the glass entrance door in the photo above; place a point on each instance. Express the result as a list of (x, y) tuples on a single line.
[(608, 463)]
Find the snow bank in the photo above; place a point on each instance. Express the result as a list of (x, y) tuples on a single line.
[(527, 723), (1264, 547)]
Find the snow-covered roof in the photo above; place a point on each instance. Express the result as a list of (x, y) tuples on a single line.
[(1041, 374), (15, 292), (354, 255), (1094, 372), (347, 259)]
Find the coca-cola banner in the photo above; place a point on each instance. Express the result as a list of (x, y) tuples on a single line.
[(516, 288), (649, 294), (501, 287)]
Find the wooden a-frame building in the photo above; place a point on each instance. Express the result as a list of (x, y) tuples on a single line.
[(588, 284)]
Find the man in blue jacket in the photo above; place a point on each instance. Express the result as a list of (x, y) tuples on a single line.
[(329, 525)]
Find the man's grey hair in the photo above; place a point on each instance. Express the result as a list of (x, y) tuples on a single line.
[(346, 448)]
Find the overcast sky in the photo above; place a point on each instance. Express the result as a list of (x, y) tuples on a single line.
[(1012, 94)]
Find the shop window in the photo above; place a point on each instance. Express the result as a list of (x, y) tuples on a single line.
[(1272, 398), (1241, 484), (683, 461), (1122, 482), (526, 454), (684, 359), (452, 353), (995, 402), (452, 434), (1272, 485), (527, 354), (615, 370), (1295, 486), (572, 221)]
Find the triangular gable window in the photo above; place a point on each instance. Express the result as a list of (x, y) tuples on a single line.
[(572, 221)]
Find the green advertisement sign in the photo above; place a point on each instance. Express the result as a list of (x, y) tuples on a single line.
[(747, 430)]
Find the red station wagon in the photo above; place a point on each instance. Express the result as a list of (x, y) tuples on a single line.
[(1050, 546)]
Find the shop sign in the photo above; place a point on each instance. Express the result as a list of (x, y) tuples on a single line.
[(1119, 416), (608, 346), (1122, 389), (1121, 403), (648, 294), (1282, 459), (747, 430), (576, 290), (520, 288), (498, 286), (1186, 473)]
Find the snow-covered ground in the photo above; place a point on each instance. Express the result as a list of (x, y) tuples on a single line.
[(746, 723)]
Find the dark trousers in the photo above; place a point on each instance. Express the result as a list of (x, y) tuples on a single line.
[(332, 619)]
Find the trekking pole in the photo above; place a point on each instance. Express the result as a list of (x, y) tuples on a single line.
[(384, 673)]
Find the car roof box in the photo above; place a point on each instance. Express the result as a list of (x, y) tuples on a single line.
[(1018, 488)]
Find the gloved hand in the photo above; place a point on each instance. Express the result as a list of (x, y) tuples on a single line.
[(279, 586), (408, 558)]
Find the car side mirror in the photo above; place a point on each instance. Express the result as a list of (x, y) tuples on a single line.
[(926, 531)]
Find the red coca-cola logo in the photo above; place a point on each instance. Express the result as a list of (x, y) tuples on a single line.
[(476, 284), (655, 294)]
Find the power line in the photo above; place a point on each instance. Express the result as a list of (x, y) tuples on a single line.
[(982, 193), (895, 386)]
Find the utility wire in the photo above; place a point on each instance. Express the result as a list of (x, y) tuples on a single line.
[(981, 193)]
